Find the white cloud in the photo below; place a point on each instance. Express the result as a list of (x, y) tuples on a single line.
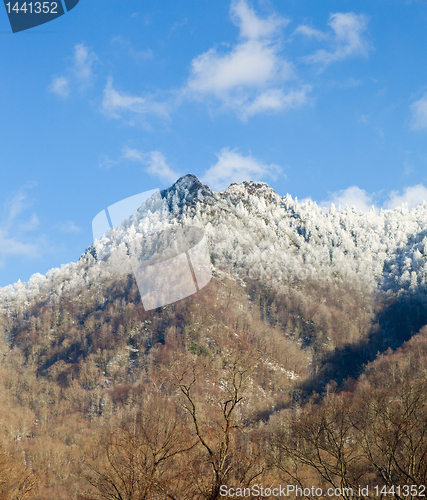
[(352, 197), (249, 77), (17, 205), (251, 64), (157, 166), (234, 167), (154, 162), (419, 113), (60, 86), (12, 246), (347, 39), (80, 73), (250, 25), (412, 196), (309, 32), (275, 100), (363, 201), (12, 223), (133, 154), (116, 103), (83, 61)]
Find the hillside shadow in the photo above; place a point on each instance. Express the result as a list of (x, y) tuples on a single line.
[(400, 317)]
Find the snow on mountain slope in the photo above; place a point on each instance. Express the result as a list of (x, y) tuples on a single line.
[(253, 232)]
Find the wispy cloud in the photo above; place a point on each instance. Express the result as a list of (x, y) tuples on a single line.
[(14, 226), (178, 25), (12, 246), (16, 205), (83, 62), (249, 77), (346, 39), (235, 167), (117, 104), (30, 224), (154, 162), (419, 113), (137, 55), (60, 86), (69, 227), (231, 166), (275, 100), (251, 26), (79, 75), (106, 162), (310, 32)]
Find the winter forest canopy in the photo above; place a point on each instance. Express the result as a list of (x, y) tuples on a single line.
[(253, 231)]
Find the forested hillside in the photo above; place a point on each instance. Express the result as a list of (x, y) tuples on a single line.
[(301, 363)]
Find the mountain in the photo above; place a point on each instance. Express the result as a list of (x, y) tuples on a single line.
[(252, 231), (313, 317)]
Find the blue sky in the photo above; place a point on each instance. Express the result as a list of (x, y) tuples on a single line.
[(326, 100)]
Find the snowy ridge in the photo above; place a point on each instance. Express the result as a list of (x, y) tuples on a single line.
[(253, 232)]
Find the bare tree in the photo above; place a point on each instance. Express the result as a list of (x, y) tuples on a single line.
[(229, 451), (142, 459), (16, 481), (321, 438), (392, 423)]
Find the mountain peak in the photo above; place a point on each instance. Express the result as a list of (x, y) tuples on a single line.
[(187, 183), (186, 190), (251, 188)]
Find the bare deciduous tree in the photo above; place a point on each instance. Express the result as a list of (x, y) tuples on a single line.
[(321, 438), (229, 452), (16, 482), (143, 458)]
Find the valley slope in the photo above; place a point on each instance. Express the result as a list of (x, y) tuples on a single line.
[(313, 317)]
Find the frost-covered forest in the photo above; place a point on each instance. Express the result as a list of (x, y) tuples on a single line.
[(302, 361), (253, 232)]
